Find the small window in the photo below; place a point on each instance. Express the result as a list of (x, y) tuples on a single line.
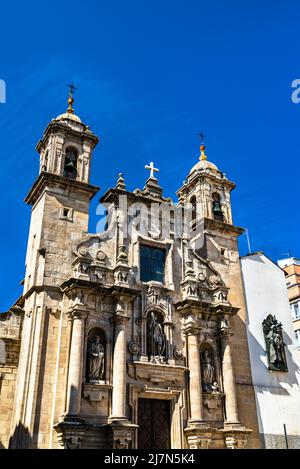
[(296, 311), (66, 212), (152, 264), (297, 337)]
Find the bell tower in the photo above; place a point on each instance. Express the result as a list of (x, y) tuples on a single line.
[(59, 200), (213, 238), (59, 197), (208, 188)]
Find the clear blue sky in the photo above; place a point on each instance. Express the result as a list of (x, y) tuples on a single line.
[(150, 76)]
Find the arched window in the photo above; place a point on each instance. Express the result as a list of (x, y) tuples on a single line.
[(193, 203), (70, 167), (208, 370), (95, 356), (217, 207), (156, 339)]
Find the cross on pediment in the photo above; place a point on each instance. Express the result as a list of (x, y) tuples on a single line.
[(152, 169)]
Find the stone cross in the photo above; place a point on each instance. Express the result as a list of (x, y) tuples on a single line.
[(152, 169)]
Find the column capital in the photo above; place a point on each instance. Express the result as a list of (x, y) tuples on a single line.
[(75, 313), (192, 328), (120, 317)]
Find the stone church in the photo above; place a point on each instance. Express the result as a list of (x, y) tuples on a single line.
[(133, 336)]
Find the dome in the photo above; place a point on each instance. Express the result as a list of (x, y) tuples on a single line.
[(70, 116), (203, 164)]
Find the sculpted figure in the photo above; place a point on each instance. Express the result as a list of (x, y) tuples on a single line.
[(274, 344), (208, 371), (96, 360), (156, 336)]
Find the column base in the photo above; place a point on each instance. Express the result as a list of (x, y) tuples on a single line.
[(70, 431), (123, 432), (235, 435), (198, 434)]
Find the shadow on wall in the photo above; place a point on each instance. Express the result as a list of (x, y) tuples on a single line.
[(21, 438), (275, 383)]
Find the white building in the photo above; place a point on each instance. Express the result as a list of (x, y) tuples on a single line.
[(277, 392)]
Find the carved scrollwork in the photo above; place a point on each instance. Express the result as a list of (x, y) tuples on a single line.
[(133, 348)]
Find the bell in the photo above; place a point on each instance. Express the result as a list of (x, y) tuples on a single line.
[(217, 207), (70, 169)]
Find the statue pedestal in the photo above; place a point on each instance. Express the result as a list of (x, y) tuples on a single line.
[(123, 433), (198, 434), (235, 435)]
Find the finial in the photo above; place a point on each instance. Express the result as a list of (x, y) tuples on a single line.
[(71, 99), (203, 156), (152, 170), (121, 182)]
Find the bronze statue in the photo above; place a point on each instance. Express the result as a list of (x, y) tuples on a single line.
[(96, 360)]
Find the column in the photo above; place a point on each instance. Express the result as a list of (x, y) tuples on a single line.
[(195, 374), (228, 380), (119, 369), (169, 339), (76, 361)]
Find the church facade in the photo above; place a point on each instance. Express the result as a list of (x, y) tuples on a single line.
[(135, 336)]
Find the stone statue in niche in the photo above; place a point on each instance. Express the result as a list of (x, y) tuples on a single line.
[(209, 383), (274, 343), (157, 341), (95, 361)]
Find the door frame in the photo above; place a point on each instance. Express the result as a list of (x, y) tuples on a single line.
[(175, 396)]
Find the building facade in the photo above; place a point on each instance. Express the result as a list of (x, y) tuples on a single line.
[(133, 337), (274, 359), (291, 266)]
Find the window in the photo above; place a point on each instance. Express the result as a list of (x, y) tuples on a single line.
[(152, 264), (297, 337), (295, 310), (194, 211)]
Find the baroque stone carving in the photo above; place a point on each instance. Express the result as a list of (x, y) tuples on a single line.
[(156, 339), (274, 343), (209, 383), (133, 348), (95, 356)]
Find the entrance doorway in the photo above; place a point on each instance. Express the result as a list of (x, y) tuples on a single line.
[(154, 424)]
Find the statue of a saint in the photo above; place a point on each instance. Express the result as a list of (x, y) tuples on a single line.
[(208, 372), (96, 361), (274, 343), (156, 337)]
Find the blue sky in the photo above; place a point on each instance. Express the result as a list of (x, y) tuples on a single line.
[(150, 76)]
